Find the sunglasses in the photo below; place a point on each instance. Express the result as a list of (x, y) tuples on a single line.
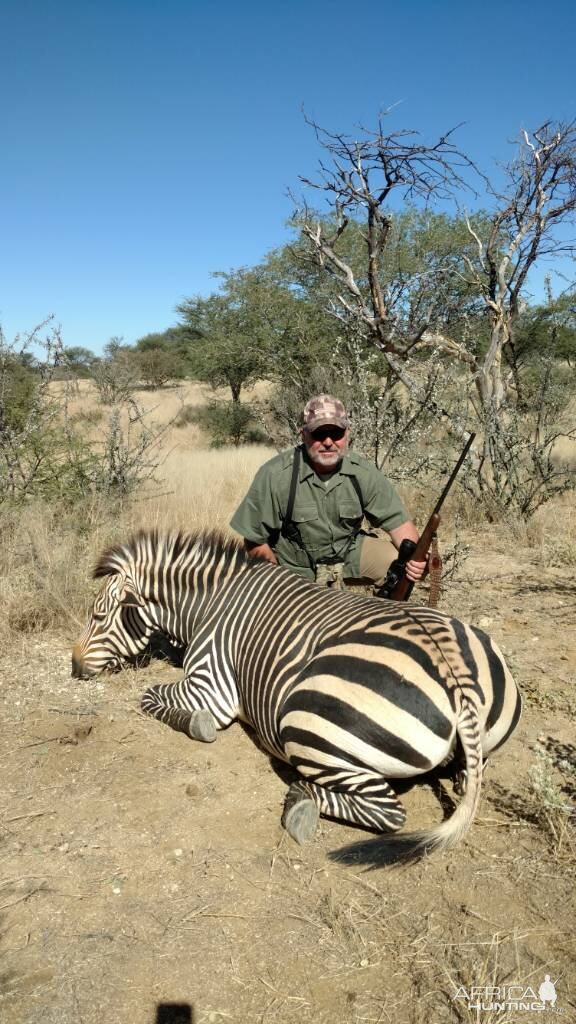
[(334, 433)]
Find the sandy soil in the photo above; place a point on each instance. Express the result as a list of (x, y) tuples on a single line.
[(140, 869)]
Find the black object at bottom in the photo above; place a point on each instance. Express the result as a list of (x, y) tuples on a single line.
[(174, 1013), (397, 570)]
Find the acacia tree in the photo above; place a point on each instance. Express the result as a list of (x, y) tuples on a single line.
[(227, 338), (405, 317), (420, 245)]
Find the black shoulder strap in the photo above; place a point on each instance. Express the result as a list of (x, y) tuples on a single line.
[(293, 486), (290, 529)]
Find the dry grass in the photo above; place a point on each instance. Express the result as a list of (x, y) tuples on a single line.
[(551, 533), (490, 968), (48, 552), (45, 565), (159, 407), (552, 784), (199, 488)]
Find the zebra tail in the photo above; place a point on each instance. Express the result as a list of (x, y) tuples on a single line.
[(411, 846)]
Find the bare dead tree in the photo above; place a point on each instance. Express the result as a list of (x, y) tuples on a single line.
[(404, 320), (359, 182), (539, 197)]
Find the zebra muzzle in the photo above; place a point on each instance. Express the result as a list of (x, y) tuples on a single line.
[(79, 671)]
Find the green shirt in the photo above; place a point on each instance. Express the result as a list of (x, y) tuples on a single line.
[(328, 514)]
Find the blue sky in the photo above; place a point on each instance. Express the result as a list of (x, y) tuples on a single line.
[(146, 144)]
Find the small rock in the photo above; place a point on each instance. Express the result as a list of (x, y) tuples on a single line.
[(485, 621), (116, 891), (82, 731), (192, 790), (178, 852)]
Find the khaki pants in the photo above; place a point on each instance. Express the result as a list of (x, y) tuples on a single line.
[(376, 557)]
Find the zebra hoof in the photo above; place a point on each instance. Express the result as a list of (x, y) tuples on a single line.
[(460, 782), (202, 726), (301, 820)]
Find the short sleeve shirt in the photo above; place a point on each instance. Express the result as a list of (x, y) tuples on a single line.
[(327, 513)]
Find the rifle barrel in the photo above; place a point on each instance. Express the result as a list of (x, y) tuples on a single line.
[(454, 474)]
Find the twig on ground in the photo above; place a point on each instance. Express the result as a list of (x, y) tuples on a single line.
[(34, 814), (21, 899)]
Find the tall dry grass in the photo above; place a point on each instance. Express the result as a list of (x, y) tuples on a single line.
[(47, 552)]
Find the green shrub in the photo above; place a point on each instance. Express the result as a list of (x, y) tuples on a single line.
[(228, 423)]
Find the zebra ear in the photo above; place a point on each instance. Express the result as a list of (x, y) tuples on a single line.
[(127, 594)]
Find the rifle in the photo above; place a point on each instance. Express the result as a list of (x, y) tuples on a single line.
[(397, 586)]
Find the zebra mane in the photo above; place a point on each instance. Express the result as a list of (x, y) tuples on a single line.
[(174, 545)]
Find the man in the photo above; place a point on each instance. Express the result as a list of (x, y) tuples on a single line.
[(305, 507)]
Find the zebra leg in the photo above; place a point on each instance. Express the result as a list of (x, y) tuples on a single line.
[(371, 803), (461, 778), (460, 781), (182, 706), (301, 813)]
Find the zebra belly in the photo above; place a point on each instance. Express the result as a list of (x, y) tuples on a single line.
[(309, 737), (348, 723)]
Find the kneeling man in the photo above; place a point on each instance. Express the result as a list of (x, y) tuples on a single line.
[(305, 507)]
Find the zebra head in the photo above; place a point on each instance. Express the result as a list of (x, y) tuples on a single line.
[(153, 584), (118, 629)]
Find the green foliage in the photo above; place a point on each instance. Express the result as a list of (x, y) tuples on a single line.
[(422, 272), (548, 379), (18, 384), (229, 336), (152, 342), (549, 327), (262, 325), (157, 366), (78, 360), (39, 451), (175, 341), (229, 423)]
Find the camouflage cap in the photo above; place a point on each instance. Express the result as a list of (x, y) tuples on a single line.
[(324, 410)]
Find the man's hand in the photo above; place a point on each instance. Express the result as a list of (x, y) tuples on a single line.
[(260, 551), (415, 571)]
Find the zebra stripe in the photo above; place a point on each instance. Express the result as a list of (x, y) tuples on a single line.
[(352, 691)]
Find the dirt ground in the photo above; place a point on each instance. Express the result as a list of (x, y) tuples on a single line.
[(140, 869)]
